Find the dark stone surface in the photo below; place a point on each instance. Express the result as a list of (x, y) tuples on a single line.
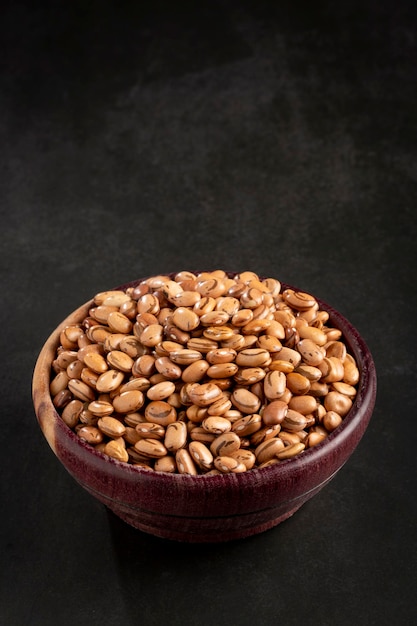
[(140, 138)]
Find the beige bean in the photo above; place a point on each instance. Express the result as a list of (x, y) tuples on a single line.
[(89, 377), (128, 401), (220, 355), (186, 298), (131, 346), (171, 289), (351, 373), (201, 344), (347, 390), (214, 318), (205, 305), (115, 296), (141, 384), (236, 342), (338, 402), (185, 356), (175, 436), (201, 455), (228, 305), (161, 391), (144, 365), (314, 439), (148, 303), (165, 464), (332, 369), (297, 383), (310, 372), (245, 401), (303, 404), (331, 420), (199, 434), (152, 448), (299, 300), (279, 365), (211, 287), (74, 369), (316, 335), (185, 463)]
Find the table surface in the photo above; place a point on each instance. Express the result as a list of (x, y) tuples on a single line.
[(276, 137)]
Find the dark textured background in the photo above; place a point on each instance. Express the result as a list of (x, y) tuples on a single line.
[(141, 138)]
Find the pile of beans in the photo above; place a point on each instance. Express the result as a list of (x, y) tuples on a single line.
[(203, 373)]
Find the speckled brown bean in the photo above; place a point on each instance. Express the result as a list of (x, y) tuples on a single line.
[(185, 462), (204, 394), (100, 408), (90, 434), (274, 384), (222, 370), (175, 436), (149, 430), (59, 383), (119, 360), (216, 424), (201, 455), (152, 335), (249, 375), (218, 333), (152, 448), (128, 401), (71, 413), (81, 390), (185, 319), (253, 357), (161, 390), (247, 457), (268, 449), (111, 427), (160, 412), (293, 421), (226, 464), (298, 300), (291, 451), (247, 425), (169, 370), (224, 444), (220, 406), (245, 401), (109, 381), (310, 352)]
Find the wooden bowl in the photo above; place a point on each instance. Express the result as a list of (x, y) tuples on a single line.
[(205, 508)]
